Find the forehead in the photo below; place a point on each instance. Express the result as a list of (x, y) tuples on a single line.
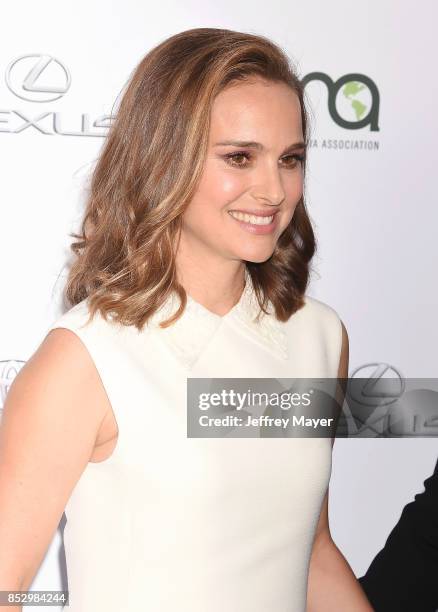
[(256, 110)]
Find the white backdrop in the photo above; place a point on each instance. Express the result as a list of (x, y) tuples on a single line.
[(370, 193)]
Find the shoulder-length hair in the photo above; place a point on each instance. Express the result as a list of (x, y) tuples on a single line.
[(148, 170)]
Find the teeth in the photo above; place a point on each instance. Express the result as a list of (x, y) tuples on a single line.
[(254, 219)]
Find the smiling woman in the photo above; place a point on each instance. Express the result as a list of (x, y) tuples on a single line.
[(258, 197), (225, 127), (192, 262)]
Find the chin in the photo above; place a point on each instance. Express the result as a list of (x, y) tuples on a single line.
[(256, 255)]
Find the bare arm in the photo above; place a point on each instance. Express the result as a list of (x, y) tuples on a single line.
[(332, 585), (50, 423)]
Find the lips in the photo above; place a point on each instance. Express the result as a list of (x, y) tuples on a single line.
[(255, 223), (256, 213)]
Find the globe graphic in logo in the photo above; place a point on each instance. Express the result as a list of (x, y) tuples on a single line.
[(353, 101)]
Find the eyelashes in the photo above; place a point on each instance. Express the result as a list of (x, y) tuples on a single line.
[(230, 159)]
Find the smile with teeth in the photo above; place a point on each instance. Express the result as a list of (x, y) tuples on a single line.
[(253, 219)]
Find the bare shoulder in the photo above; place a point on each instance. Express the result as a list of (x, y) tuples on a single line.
[(76, 369), (50, 421), (60, 383)]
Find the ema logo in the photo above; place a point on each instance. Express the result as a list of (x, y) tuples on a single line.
[(353, 100)]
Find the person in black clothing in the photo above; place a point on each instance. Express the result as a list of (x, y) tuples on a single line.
[(403, 576)]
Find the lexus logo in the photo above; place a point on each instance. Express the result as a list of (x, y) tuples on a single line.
[(37, 78), (370, 392)]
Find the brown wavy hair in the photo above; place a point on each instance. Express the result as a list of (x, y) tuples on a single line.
[(148, 171)]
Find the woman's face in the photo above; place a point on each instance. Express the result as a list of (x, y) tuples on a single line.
[(241, 179)]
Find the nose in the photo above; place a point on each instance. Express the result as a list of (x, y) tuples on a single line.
[(269, 187)]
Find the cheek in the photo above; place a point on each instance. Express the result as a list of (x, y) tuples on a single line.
[(229, 187), (295, 186), (215, 192), (295, 191), (219, 188)]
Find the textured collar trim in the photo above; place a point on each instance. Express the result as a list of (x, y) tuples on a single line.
[(192, 332)]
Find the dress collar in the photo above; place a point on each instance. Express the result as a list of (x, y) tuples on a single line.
[(191, 333)]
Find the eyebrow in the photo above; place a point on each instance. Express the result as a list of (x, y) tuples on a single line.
[(258, 145)]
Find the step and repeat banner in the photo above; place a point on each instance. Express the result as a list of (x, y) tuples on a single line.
[(369, 78)]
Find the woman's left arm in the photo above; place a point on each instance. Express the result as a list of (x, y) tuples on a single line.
[(332, 585)]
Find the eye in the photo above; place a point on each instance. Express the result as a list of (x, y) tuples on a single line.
[(233, 159), (294, 160)]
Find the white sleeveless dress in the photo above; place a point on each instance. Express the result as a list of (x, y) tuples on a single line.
[(169, 523)]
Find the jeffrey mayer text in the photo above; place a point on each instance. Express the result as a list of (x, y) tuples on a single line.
[(264, 420)]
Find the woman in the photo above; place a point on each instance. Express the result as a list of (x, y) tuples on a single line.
[(195, 223)]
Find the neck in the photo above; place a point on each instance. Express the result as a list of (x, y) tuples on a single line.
[(215, 285)]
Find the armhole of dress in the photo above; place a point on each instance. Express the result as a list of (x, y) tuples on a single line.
[(75, 320), (339, 349)]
